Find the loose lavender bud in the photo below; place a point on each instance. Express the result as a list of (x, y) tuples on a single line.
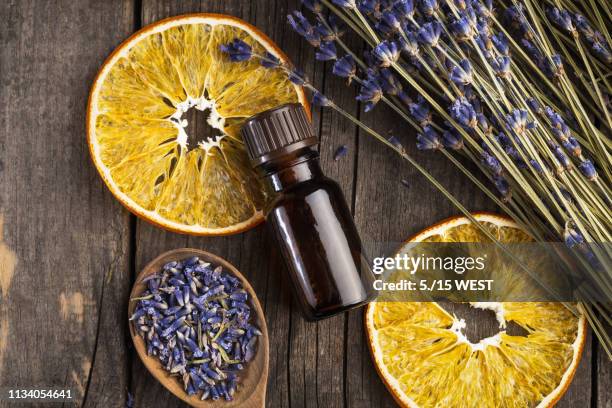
[(192, 295), (340, 152)]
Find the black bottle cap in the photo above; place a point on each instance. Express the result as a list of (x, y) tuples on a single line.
[(277, 132)]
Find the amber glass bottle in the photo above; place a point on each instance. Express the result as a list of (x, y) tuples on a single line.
[(309, 217)]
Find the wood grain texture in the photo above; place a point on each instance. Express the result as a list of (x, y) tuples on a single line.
[(60, 308)]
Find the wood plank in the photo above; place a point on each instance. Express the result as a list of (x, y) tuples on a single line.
[(64, 251), (603, 398)]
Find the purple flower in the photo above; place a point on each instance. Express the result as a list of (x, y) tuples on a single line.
[(318, 99), (562, 158), (369, 6), (297, 77), (347, 4), (517, 121), (588, 169), (302, 26), (491, 163), (603, 52), (463, 112), (313, 5), (386, 53), (572, 146), (501, 66), (345, 67), (572, 237), (452, 140), (329, 30), (502, 186), (536, 166), (562, 18), (409, 44), (389, 83), (326, 51), (428, 7), (388, 24), (556, 65), (428, 139), (500, 41), (462, 29), (237, 50), (429, 33), (483, 9), (462, 75), (404, 9), (534, 105), (269, 61), (370, 93), (396, 143), (340, 152), (420, 111)]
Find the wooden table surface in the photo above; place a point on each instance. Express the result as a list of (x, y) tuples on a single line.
[(69, 251)]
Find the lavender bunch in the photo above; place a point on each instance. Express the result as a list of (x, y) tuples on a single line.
[(508, 86), (195, 319)]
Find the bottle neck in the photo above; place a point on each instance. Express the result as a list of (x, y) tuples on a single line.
[(286, 173)]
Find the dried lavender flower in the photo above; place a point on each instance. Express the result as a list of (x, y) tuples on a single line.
[(194, 318)]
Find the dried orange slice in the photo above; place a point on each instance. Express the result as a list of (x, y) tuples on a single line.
[(425, 359), (136, 124)]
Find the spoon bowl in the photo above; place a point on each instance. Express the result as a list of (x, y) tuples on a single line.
[(251, 390)]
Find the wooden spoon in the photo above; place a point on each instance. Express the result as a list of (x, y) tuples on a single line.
[(251, 390)]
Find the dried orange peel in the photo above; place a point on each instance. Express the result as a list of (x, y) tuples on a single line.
[(425, 360), (136, 125)]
